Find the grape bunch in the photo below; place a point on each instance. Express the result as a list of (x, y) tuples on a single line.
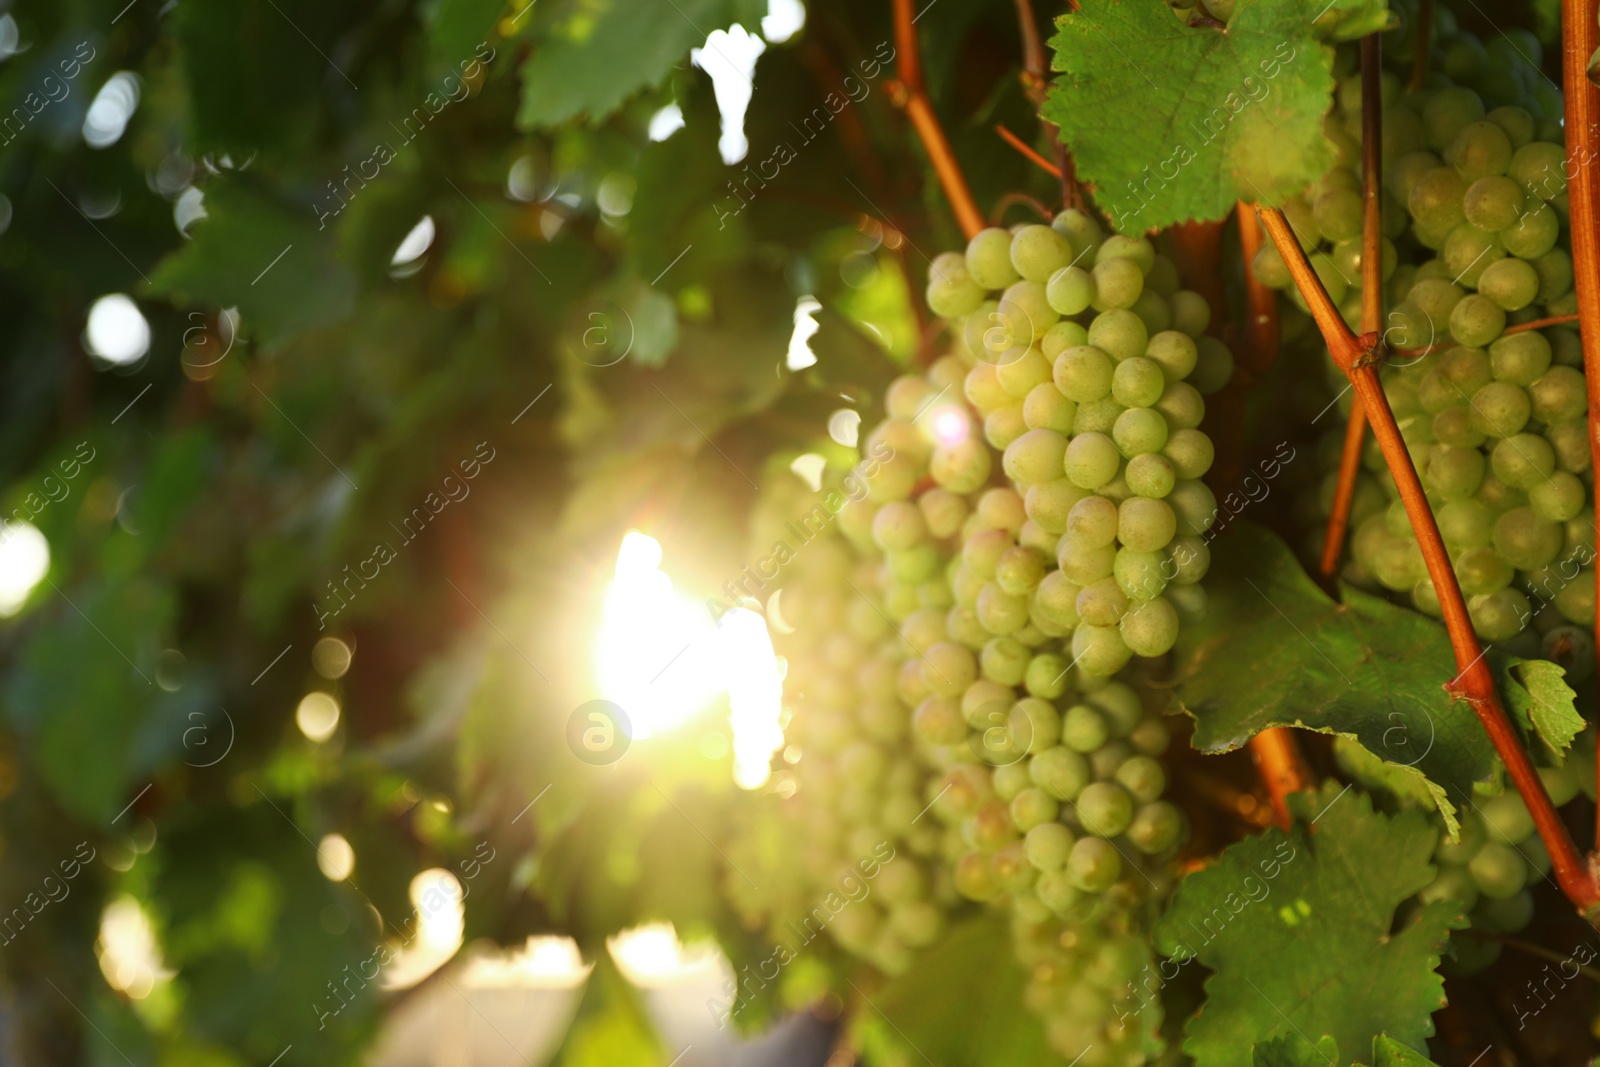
[(1494, 415), (1088, 372)]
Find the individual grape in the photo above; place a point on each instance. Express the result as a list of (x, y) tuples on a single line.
[(1118, 333), (1093, 865), (1099, 651), (1138, 382), (1150, 628), (1511, 283), (1118, 283), (1523, 461), (1498, 871), (1020, 372), (1092, 460), (1151, 475), (1145, 524), (1480, 150), (1140, 430), (1060, 772), (989, 259), (1036, 456), (1533, 234), (1191, 313), (1155, 827), (1084, 374), (1037, 252), (1526, 541), (951, 291), (1447, 113), (1493, 202), (1468, 252), (1500, 409), (1541, 168), (1436, 198), (1213, 367), (1138, 249)]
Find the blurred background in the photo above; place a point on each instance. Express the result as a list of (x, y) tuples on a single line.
[(383, 386)]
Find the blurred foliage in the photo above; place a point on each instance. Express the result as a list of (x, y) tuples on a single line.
[(599, 312)]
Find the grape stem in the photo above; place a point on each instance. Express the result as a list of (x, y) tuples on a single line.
[(1261, 302), (1027, 151), (1579, 37), (1539, 324), (998, 213), (1035, 82), (1422, 45), (907, 92), (1355, 432), (1474, 682), (1283, 771)]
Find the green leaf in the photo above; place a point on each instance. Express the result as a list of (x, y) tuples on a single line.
[(939, 1006), (1365, 668), (1291, 1051), (1538, 697), (455, 30), (1387, 1052), (1169, 122), (611, 1028), (604, 52), (1299, 930), (259, 255)]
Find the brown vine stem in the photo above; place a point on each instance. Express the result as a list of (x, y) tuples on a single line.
[(1035, 82), (908, 93), (997, 213), (1027, 151), (1539, 324), (1579, 38), (1276, 751), (1355, 431), (1423, 45), (1474, 682)]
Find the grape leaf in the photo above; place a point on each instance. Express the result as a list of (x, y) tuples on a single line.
[(603, 52), (1169, 122), (1289, 1051), (259, 255), (1365, 668), (1298, 928), (455, 30), (939, 1007), (1387, 1052), (1538, 698)]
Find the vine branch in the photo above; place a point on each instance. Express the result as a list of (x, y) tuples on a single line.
[(1027, 150), (1355, 433), (1539, 324), (908, 93), (1579, 39), (1423, 45), (1035, 81), (1474, 682)]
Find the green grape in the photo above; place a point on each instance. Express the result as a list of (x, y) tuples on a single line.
[(1020, 570), (1118, 333), (1060, 772), (1174, 352), (1436, 199), (1181, 405), (1084, 374), (1533, 234), (1070, 290), (1099, 650), (1104, 809), (1155, 828), (1541, 167), (1494, 202), (1151, 475), (1150, 628), (1139, 430), (1138, 382), (1138, 249), (1141, 575), (1093, 865), (1507, 819), (1338, 214), (1526, 541), (1523, 461), (1511, 283), (1555, 274), (1118, 283), (1214, 366), (1032, 808), (1498, 871), (1468, 252), (1448, 112), (1498, 616), (1143, 778), (989, 259), (1191, 313), (1500, 409), (1480, 150), (1453, 472), (1146, 525), (1102, 603), (1092, 522), (1037, 252), (1044, 408), (951, 291), (1036, 456), (1092, 460)]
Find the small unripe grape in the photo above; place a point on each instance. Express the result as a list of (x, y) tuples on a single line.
[(1526, 541), (1498, 616), (1049, 504), (1498, 870), (1195, 506), (1191, 313), (973, 878), (1436, 198), (1151, 475), (1057, 599), (1555, 274), (1048, 845), (1094, 865), (1507, 818), (1138, 249), (1523, 461), (1102, 603), (1175, 353), (1541, 167), (1214, 366), (1469, 251), (1118, 283), (1453, 885), (1141, 575), (1138, 382), (1190, 452), (1448, 112), (1480, 571), (1036, 456), (1070, 290), (1511, 283), (961, 468), (1033, 807), (1534, 233), (1060, 337), (1020, 570), (1046, 676), (938, 721), (1099, 650), (1060, 772), (1120, 334), (999, 612), (951, 291), (1500, 409), (1046, 409), (1151, 627), (1085, 565), (899, 525), (1481, 149), (1139, 430), (1146, 525), (1037, 252), (1493, 202), (1084, 374), (943, 512), (989, 259), (1092, 460), (1155, 827), (1181, 405), (1143, 778)]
